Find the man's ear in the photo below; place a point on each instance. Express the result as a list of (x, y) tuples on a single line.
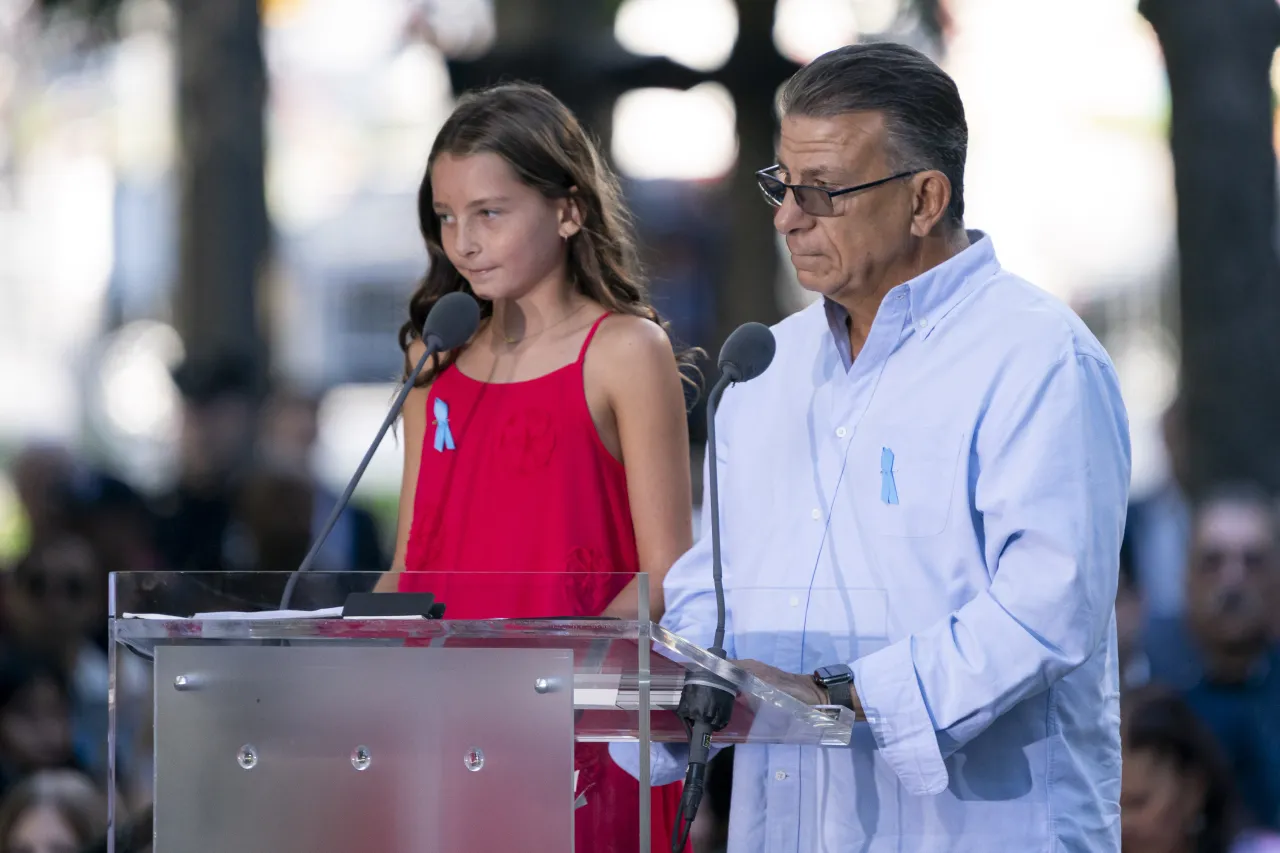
[(931, 198)]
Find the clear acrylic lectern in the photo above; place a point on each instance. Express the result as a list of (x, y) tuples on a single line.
[(238, 727)]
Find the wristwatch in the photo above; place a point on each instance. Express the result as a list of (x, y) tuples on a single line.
[(838, 681)]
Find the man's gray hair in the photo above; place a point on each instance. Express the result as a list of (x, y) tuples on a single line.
[(920, 104)]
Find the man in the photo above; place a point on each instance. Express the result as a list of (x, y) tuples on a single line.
[(1159, 526), (287, 439), (1231, 595), (216, 432), (926, 492), (1131, 608)]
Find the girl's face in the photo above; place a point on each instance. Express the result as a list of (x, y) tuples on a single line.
[(41, 830), (502, 235), (1159, 803)]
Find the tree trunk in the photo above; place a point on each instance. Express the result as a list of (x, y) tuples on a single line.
[(1218, 57), (748, 285), (225, 232)]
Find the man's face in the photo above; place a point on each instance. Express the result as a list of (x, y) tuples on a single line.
[(55, 598), (1230, 577), (868, 240)]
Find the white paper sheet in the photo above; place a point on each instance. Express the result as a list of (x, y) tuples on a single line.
[(254, 616)]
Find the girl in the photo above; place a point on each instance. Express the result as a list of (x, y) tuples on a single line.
[(1177, 795), (555, 441), (54, 811)]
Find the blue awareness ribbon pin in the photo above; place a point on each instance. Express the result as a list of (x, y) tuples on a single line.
[(444, 435), (888, 488)]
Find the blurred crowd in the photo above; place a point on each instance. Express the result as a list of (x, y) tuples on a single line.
[(1198, 629), (246, 498), (1197, 619)]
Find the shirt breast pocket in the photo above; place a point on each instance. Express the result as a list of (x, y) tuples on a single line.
[(905, 480)]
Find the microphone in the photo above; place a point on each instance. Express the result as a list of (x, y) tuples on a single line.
[(706, 701), (745, 355), (452, 321)]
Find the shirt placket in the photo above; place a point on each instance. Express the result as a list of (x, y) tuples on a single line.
[(839, 405)]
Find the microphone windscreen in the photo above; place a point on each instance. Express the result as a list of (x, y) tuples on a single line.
[(747, 352), (452, 321)]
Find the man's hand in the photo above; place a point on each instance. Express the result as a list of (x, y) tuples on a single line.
[(801, 687)]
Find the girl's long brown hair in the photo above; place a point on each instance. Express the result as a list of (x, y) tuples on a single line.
[(544, 143)]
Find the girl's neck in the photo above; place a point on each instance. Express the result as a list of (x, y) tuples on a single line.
[(543, 309)]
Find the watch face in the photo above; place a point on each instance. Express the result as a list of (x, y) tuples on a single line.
[(830, 674)]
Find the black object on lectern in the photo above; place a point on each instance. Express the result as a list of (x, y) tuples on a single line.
[(392, 605)]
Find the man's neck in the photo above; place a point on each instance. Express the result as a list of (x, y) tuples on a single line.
[(932, 251), (1233, 666)]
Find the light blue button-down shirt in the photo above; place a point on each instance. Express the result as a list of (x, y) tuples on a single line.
[(943, 513)]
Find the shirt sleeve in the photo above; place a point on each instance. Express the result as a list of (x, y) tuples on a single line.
[(1051, 492)]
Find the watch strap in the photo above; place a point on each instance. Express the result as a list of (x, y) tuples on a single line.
[(838, 682)]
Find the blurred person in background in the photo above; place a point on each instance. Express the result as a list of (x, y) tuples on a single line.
[(1159, 525), (1231, 589), (287, 440), (270, 525), (1135, 665), (116, 522), (1177, 794), (114, 519), (52, 610), (35, 718), (54, 811), (216, 433), (555, 440), (41, 472)]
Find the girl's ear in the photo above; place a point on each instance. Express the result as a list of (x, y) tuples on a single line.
[(570, 212)]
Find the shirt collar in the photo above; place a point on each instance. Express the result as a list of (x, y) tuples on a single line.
[(933, 293)]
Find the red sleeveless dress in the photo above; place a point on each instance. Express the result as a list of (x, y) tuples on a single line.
[(514, 478)]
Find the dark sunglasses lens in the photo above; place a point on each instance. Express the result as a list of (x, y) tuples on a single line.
[(774, 190), (813, 201)]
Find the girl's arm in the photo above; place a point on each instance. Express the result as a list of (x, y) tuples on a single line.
[(414, 425), (634, 364)]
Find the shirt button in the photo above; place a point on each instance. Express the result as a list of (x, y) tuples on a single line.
[(781, 775), (795, 601), (817, 515), (841, 432), (923, 323)]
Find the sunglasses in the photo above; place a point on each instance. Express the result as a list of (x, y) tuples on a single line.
[(815, 201)]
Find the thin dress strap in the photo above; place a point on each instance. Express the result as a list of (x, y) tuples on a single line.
[(591, 334)]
